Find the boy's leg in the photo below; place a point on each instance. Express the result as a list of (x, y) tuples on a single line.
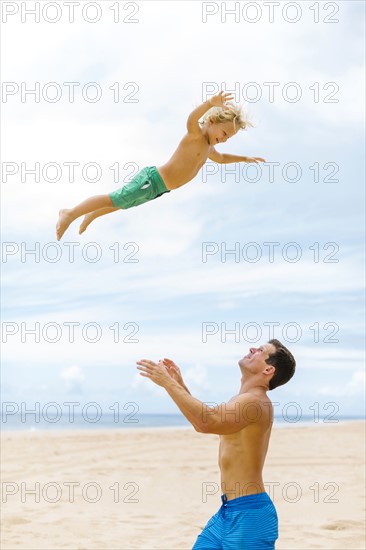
[(145, 186), (92, 215), (67, 216)]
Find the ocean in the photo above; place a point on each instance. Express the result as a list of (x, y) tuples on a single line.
[(39, 422)]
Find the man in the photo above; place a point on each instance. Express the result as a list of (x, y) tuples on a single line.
[(247, 518)]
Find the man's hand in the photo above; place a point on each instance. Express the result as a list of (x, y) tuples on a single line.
[(157, 372), (220, 99), (173, 370)]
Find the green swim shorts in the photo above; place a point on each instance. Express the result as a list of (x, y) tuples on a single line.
[(145, 186)]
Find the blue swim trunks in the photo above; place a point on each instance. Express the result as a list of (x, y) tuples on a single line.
[(244, 523), (145, 186)]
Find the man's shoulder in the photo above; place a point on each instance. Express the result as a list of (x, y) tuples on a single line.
[(251, 397), (254, 406)]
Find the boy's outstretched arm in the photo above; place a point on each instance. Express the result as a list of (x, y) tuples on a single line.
[(224, 158), (215, 101)]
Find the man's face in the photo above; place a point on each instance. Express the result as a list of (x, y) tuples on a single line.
[(255, 360), (220, 132)]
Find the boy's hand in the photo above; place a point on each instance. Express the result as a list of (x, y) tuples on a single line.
[(254, 159), (220, 99)]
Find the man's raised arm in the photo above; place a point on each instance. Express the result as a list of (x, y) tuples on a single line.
[(224, 419)]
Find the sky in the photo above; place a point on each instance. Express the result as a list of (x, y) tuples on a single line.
[(241, 254)]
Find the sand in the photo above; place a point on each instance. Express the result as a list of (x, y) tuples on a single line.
[(66, 486)]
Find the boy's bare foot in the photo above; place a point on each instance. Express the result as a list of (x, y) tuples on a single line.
[(63, 223), (88, 218)]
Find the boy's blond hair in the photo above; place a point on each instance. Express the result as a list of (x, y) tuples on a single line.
[(232, 112)]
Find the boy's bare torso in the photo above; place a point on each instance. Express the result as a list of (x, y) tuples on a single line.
[(242, 456), (186, 161)]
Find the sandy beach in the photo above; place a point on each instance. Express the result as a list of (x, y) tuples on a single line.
[(156, 488)]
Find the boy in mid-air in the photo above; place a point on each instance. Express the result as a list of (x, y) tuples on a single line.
[(221, 122)]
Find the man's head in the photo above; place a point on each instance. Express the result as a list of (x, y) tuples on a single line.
[(221, 123), (272, 363)]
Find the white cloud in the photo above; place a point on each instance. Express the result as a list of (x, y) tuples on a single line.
[(355, 387), (73, 378), (357, 383), (196, 376)]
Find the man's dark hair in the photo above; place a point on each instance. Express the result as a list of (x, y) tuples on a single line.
[(284, 363)]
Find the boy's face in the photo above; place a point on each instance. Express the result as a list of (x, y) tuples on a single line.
[(220, 132)]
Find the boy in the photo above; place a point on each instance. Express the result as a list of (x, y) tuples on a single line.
[(220, 123)]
